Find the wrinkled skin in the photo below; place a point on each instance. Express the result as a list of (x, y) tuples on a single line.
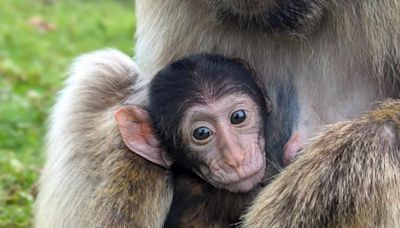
[(232, 157)]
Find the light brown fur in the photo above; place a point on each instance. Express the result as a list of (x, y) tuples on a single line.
[(353, 45), (340, 65), (349, 176), (91, 178)]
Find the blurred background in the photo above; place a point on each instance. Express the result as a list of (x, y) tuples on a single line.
[(38, 40)]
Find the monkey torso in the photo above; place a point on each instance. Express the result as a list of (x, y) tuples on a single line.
[(331, 68)]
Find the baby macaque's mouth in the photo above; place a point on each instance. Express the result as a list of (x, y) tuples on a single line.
[(247, 183)]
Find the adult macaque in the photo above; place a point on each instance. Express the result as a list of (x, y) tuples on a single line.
[(215, 132), (322, 61)]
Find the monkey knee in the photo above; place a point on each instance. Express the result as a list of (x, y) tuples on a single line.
[(103, 63), (99, 80)]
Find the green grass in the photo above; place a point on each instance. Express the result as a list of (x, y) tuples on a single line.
[(38, 40)]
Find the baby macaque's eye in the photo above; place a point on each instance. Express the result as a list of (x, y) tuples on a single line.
[(202, 133), (238, 117)]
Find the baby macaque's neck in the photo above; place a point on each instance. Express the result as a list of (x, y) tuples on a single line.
[(197, 203)]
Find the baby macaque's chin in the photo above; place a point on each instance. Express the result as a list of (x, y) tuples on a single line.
[(244, 185)]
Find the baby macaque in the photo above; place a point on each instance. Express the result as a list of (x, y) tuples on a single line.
[(205, 122)]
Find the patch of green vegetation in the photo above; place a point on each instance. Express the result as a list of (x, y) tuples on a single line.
[(38, 40)]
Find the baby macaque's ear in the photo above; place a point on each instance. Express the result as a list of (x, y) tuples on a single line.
[(134, 125)]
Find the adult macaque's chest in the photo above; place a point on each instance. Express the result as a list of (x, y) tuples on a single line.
[(313, 86), (317, 81), (312, 79), (332, 82)]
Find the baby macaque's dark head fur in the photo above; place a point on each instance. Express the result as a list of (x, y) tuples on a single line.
[(195, 80)]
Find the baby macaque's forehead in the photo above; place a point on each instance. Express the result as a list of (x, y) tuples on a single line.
[(223, 105), (218, 111)]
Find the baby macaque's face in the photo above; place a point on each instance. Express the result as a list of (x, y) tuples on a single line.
[(226, 139), (207, 113)]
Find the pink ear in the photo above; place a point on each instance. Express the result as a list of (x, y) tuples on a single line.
[(136, 131)]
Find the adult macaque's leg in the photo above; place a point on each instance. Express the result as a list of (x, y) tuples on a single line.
[(91, 179), (348, 176)]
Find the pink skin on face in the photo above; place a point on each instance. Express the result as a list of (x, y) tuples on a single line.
[(233, 156)]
